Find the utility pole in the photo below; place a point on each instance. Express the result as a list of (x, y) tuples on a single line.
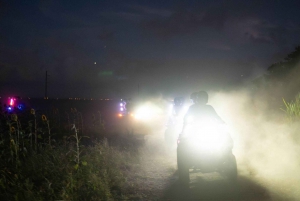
[(46, 85)]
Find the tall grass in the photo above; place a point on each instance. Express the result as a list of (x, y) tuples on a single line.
[(292, 109), (52, 167), (55, 175)]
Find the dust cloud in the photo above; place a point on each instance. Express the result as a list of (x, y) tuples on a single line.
[(266, 145)]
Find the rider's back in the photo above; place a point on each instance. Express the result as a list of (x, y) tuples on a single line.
[(201, 111)]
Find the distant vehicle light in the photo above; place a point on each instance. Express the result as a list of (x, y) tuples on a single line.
[(11, 102), (120, 115), (121, 109), (121, 104), (20, 107), (146, 112), (9, 108)]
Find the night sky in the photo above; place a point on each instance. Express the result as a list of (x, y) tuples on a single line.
[(113, 49)]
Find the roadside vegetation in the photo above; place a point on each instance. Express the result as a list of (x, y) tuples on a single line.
[(292, 109), (281, 80), (47, 156)]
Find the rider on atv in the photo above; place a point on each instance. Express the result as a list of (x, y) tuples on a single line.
[(200, 109), (174, 123), (204, 143)]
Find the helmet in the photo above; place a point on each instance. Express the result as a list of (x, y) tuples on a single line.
[(178, 105), (201, 97), (178, 101)]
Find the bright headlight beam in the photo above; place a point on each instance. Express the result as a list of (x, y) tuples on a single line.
[(209, 136), (146, 112)]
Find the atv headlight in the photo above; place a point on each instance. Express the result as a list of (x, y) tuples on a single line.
[(212, 141), (208, 143), (207, 136)]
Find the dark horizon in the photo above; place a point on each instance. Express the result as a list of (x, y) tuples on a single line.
[(109, 48)]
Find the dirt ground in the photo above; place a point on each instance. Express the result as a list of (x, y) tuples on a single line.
[(158, 180)]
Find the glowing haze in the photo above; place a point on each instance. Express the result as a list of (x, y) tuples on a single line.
[(266, 144)]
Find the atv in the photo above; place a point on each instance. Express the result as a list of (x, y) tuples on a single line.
[(205, 146)]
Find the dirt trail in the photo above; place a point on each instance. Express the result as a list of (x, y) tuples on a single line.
[(157, 180)]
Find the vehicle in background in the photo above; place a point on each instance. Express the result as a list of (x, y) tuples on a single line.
[(125, 108), (175, 122), (143, 111), (14, 104)]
